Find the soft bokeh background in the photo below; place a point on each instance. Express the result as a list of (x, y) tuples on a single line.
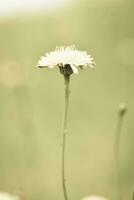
[(31, 99)]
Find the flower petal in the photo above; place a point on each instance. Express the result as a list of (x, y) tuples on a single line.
[(74, 68)]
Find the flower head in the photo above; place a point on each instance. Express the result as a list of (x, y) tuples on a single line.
[(7, 196), (68, 59), (94, 198)]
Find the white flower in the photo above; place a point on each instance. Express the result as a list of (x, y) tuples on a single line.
[(7, 196), (67, 56), (94, 198)]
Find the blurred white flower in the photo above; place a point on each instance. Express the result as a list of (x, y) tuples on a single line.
[(7, 196), (94, 198), (67, 56)]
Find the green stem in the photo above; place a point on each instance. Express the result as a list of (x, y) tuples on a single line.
[(67, 81), (117, 146)]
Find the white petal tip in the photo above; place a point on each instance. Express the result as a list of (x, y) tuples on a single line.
[(75, 70)]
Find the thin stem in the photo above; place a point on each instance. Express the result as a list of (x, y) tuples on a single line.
[(67, 81), (133, 192), (117, 146)]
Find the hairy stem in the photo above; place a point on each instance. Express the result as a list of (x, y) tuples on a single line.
[(67, 81), (117, 146)]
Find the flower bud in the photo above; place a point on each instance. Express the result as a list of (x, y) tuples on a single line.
[(122, 109)]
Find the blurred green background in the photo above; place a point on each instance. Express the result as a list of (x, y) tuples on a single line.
[(31, 101)]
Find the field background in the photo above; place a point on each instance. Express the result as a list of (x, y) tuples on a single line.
[(31, 101)]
